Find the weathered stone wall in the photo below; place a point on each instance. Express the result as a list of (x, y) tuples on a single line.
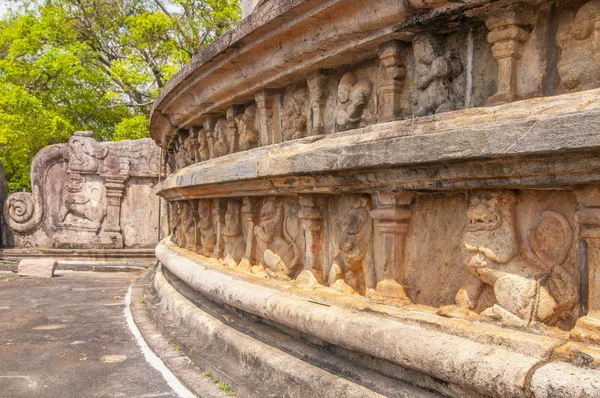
[(89, 195), (423, 164)]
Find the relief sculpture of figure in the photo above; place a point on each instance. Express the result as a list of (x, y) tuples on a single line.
[(527, 293), (247, 128), (203, 147), (434, 72), (235, 241), (276, 249), (186, 225), (206, 238), (349, 268), (222, 139), (190, 144), (353, 95), (294, 116), (578, 41), (180, 156), (83, 203)]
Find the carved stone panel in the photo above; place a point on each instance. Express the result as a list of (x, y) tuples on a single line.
[(78, 191)]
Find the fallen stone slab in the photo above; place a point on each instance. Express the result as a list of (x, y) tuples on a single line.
[(37, 268)]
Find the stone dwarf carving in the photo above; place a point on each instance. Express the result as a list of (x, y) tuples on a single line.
[(528, 292), (248, 135), (235, 242), (434, 72), (181, 156), (187, 227), (203, 149), (353, 96), (276, 249), (190, 145), (294, 116), (350, 269), (206, 238), (579, 62), (222, 139)]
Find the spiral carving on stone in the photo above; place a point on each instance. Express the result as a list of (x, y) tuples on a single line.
[(20, 212)]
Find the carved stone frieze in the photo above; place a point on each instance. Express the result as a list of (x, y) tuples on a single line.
[(377, 185)]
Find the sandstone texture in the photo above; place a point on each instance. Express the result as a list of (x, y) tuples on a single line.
[(415, 183), (37, 268), (89, 195)]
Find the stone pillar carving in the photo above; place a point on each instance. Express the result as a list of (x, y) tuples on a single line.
[(311, 216), (193, 145), (391, 86), (392, 215), (587, 328), (249, 220), (219, 209), (115, 186), (316, 86), (507, 34), (264, 102), (232, 129)]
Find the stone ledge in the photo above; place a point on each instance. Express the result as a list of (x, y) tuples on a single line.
[(543, 141), (255, 368), (487, 359), (179, 364)]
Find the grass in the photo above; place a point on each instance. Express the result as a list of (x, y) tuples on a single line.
[(142, 301), (176, 347), (223, 386)]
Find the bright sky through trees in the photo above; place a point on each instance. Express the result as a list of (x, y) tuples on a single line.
[(68, 65)]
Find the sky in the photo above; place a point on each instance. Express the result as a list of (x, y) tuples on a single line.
[(2, 7)]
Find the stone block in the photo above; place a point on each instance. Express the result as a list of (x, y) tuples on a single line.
[(38, 268)]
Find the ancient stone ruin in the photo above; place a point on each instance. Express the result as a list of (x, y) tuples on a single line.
[(90, 196), (409, 187)]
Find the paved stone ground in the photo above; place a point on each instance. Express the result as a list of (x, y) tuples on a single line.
[(68, 337)]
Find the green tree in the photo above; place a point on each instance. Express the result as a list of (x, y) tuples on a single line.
[(97, 65)]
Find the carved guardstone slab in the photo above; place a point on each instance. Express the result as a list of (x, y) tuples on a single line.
[(37, 268), (88, 195), (412, 184)]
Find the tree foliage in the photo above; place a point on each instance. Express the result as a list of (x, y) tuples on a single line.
[(97, 65)]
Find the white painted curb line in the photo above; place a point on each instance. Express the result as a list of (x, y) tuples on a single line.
[(151, 357)]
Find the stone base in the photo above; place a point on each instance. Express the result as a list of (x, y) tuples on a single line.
[(85, 238), (258, 360), (38, 268), (83, 259)]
